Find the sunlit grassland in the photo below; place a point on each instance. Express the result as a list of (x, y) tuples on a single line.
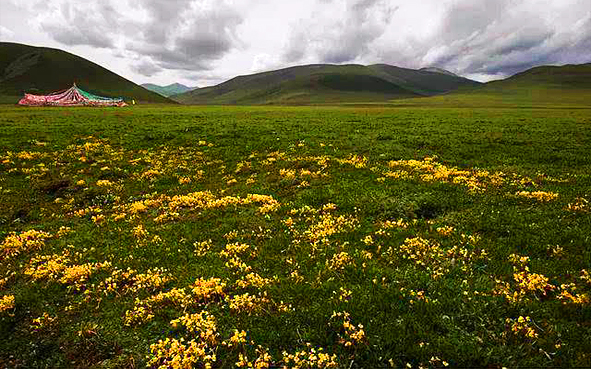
[(298, 237), (517, 95)]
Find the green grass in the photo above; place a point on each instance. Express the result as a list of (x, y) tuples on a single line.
[(40, 70), (149, 152), (542, 97)]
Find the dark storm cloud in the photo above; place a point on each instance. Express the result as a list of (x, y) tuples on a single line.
[(173, 34), (485, 38), (501, 39), (343, 39), (187, 34)]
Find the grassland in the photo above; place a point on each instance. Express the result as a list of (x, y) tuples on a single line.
[(538, 97), (308, 237)]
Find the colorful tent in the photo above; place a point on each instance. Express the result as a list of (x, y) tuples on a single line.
[(73, 96)]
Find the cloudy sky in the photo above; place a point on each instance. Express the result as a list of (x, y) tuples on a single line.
[(204, 42)]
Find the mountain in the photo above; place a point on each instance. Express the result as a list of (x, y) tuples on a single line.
[(41, 70), (567, 85), (326, 83), (577, 76), (424, 82), (173, 89)]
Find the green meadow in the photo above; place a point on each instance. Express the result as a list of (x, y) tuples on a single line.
[(406, 236)]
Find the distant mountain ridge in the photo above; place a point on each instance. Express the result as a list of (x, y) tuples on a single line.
[(42, 70), (327, 83), (169, 90)]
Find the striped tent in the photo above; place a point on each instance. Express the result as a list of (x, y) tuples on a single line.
[(73, 96)]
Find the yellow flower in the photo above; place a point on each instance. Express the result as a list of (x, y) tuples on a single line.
[(14, 244), (538, 195), (6, 303), (104, 183), (368, 240), (201, 323)]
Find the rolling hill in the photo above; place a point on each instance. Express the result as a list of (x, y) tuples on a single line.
[(326, 83), (568, 85), (172, 89), (41, 70)]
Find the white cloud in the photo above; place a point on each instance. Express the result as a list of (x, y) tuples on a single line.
[(5, 33)]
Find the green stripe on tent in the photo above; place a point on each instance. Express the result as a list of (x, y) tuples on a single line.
[(90, 96)]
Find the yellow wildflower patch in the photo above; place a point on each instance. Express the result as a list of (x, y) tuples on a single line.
[(104, 183), (42, 322), (253, 280), (237, 338), (15, 244), (207, 290), (339, 261), (143, 311), (422, 251), (78, 275), (445, 230), (541, 196), (328, 225), (355, 160), (526, 284), (568, 295), (581, 205), (522, 326), (310, 358), (47, 267), (247, 303), (203, 324), (6, 303), (178, 354), (201, 248), (429, 170)]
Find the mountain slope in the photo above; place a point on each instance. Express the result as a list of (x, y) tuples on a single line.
[(172, 89), (326, 83), (426, 81), (566, 76), (438, 70), (568, 85), (41, 70)]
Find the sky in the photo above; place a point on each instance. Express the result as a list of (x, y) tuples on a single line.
[(205, 42)]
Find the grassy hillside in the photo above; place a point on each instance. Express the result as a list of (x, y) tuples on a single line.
[(559, 86), (426, 82), (326, 84), (295, 237), (169, 90), (42, 70), (567, 76)]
